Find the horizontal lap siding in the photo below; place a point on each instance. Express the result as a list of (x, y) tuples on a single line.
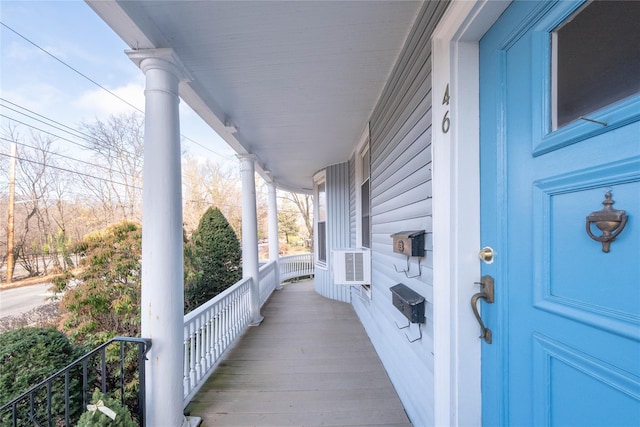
[(338, 229), (401, 170)]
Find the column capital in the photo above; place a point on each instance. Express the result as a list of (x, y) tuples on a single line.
[(268, 177), (161, 58), (247, 162), (248, 157)]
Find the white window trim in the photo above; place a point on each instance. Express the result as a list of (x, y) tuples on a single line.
[(360, 148), (319, 178), (456, 197)]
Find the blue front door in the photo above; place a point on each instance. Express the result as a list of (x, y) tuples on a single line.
[(566, 317)]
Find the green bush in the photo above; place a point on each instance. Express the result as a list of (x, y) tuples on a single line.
[(212, 259), (29, 356), (95, 417), (106, 300)]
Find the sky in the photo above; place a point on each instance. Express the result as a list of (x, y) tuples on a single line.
[(72, 32)]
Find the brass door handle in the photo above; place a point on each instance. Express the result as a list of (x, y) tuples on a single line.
[(486, 293)]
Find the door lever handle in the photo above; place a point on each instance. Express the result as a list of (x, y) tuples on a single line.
[(486, 293)]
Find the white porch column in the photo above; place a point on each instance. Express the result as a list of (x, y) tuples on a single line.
[(162, 253), (274, 243), (250, 265)]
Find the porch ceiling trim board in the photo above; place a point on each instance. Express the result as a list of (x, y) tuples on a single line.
[(299, 79)]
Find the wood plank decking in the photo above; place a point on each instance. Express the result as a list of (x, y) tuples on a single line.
[(310, 363)]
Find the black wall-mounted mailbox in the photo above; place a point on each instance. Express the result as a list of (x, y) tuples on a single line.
[(409, 243), (408, 302)]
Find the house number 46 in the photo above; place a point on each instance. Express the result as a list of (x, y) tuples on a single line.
[(446, 123)]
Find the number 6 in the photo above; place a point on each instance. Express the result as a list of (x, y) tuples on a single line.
[(446, 123)]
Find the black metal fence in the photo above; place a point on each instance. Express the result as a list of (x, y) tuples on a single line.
[(60, 399)]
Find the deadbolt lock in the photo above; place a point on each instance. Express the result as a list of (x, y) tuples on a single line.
[(486, 254)]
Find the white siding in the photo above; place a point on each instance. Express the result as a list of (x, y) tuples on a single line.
[(401, 200), (338, 229)]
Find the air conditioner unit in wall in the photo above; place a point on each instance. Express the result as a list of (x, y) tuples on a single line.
[(351, 266)]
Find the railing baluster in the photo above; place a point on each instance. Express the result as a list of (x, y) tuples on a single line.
[(49, 403), (210, 355), (186, 384), (234, 312), (225, 326), (85, 383), (103, 361), (67, 415), (192, 356), (142, 381), (31, 414), (122, 372), (198, 337), (203, 346), (216, 333)]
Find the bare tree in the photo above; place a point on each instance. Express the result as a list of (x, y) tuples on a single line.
[(304, 203), (36, 162), (207, 183), (115, 179)]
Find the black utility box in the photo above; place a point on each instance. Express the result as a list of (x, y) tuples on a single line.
[(410, 243), (409, 302)]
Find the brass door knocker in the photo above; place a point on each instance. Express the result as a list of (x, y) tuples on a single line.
[(610, 221)]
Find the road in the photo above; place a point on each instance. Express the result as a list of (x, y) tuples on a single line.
[(20, 300)]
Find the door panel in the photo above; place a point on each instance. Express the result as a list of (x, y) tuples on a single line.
[(566, 318)]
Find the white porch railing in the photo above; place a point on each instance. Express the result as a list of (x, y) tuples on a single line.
[(209, 330), (268, 278), (213, 327), (294, 266)]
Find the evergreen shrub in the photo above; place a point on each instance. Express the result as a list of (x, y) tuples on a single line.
[(212, 259), (29, 356)]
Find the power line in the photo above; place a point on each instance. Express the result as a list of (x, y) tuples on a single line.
[(90, 140), (73, 172), (66, 157), (98, 84), (69, 66), (47, 132), (43, 117)]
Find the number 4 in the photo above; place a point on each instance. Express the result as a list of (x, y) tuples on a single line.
[(446, 98)]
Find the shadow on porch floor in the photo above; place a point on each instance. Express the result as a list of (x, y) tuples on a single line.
[(310, 363)]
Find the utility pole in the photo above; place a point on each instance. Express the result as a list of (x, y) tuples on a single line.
[(12, 202)]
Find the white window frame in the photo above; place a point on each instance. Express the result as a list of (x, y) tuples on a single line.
[(362, 148), (319, 179)]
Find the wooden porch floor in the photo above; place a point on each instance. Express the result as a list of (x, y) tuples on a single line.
[(310, 363)]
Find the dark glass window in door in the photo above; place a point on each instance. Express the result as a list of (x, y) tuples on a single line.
[(596, 59)]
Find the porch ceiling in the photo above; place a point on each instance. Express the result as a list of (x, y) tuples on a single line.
[(299, 79)]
